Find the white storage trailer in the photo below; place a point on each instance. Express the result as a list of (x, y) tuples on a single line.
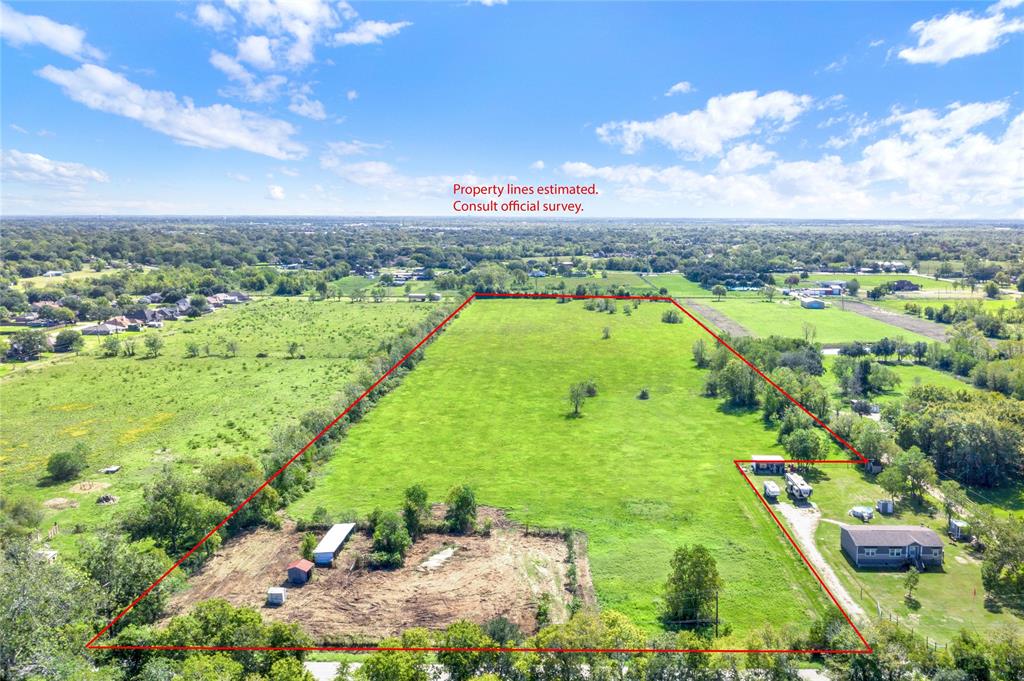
[(330, 545), (771, 489), (797, 487)]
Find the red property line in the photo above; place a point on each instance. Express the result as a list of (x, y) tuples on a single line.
[(92, 645)]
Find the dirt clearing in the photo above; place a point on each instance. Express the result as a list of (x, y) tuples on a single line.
[(719, 319), (445, 578)]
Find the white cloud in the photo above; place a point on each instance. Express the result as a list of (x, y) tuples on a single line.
[(960, 34), (351, 95), (219, 126), (238, 177), (369, 32), (836, 66), (537, 165), (255, 50), (252, 89), (876, 43), (290, 172), (275, 192), (702, 132), (18, 128), (488, 3), (930, 164), (26, 167), (680, 88), (336, 151), (743, 157), (24, 29), (310, 108), (213, 17)]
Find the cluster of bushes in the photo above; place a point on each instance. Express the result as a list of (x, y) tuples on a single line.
[(899, 654)]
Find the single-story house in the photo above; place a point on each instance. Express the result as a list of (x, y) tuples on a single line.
[(239, 296), (300, 571), (770, 464), (144, 315), (183, 304), (330, 545), (101, 330), (812, 303), (120, 321), (891, 546)]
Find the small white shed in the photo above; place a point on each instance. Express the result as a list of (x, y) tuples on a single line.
[(276, 595)]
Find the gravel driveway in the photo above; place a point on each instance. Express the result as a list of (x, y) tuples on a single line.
[(802, 524)]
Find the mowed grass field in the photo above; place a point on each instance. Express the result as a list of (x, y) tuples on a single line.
[(786, 318), (142, 413), (488, 407)]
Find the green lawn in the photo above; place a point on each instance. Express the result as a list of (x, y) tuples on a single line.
[(785, 317), (488, 407), (947, 600), (988, 304), (910, 375), (141, 413)]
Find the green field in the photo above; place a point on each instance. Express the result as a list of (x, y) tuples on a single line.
[(910, 375), (488, 407), (785, 317), (141, 413), (987, 304), (948, 600)]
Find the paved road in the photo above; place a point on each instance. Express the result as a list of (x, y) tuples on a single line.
[(720, 320)]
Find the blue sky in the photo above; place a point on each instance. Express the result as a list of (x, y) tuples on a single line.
[(790, 110)]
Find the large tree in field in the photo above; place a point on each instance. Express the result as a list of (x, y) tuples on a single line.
[(719, 291), (692, 586)]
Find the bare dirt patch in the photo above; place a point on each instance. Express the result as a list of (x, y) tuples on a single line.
[(916, 325), (719, 319), (88, 486), (803, 522), (60, 503), (445, 578)]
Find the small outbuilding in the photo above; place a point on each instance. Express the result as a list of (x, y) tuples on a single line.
[(331, 544), (959, 530), (768, 464), (771, 489), (276, 595), (300, 571), (886, 506), (416, 297), (812, 303)]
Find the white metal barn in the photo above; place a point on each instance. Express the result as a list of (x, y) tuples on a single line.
[(330, 545)]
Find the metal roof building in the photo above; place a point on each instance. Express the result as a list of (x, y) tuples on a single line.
[(330, 545)]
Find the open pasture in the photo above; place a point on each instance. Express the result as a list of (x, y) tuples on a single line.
[(141, 413), (488, 407)]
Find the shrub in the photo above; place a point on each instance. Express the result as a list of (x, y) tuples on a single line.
[(461, 514), (671, 317), (644, 394), (68, 464)]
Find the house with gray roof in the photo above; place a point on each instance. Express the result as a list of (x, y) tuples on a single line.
[(891, 546)]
